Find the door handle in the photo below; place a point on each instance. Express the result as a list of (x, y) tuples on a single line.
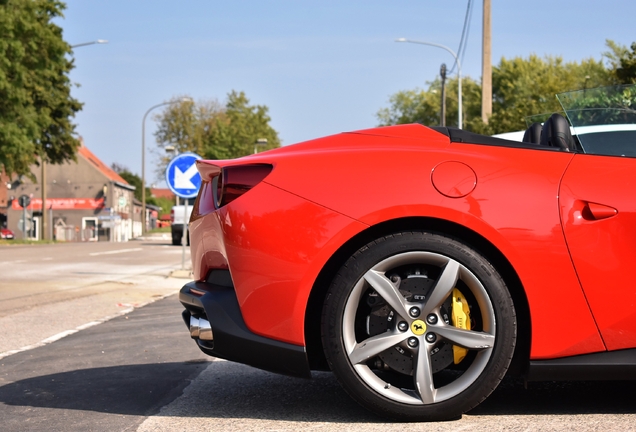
[(593, 211)]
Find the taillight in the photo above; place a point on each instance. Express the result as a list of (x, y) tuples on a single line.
[(172, 215), (223, 186), (234, 181)]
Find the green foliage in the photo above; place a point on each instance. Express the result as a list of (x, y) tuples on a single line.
[(239, 128), (606, 105), (163, 202), (133, 180), (35, 102), (19, 241), (521, 87), (525, 87), (187, 125), (212, 130), (424, 106), (615, 54), (622, 62)]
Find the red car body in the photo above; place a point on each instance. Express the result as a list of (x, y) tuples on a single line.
[(557, 225)]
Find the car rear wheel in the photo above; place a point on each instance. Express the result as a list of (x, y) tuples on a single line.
[(418, 326)]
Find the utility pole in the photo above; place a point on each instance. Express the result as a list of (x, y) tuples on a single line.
[(442, 73), (45, 221), (47, 228), (486, 65)]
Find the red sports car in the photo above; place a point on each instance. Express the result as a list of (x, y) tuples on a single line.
[(421, 265)]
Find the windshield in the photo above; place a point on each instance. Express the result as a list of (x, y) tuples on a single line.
[(604, 119)]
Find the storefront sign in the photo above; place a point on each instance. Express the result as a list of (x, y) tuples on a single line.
[(62, 204)]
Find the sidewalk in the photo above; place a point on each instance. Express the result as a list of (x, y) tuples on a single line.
[(158, 236), (185, 273)]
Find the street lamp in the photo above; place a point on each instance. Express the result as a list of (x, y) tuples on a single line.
[(459, 72), (260, 141), (143, 158), (98, 41)]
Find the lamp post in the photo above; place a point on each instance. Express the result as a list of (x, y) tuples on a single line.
[(98, 41), (143, 158), (442, 74), (459, 72)]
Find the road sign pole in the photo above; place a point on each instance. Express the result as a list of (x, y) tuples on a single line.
[(184, 237), (24, 223), (184, 180)]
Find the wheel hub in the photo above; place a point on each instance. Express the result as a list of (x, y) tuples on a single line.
[(382, 318), (418, 327)]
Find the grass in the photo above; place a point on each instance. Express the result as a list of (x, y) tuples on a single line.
[(25, 242), (160, 230)]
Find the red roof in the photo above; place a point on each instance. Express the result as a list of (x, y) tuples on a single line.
[(101, 166), (161, 193)]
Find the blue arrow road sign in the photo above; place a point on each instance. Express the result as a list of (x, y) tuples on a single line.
[(182, 176)]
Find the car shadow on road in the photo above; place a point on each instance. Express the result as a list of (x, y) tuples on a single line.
[(513, 397), (139, 389), (230, 390)]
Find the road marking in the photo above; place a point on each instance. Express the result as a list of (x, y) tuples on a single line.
[(115, 251), (47, 259), (66, 333)]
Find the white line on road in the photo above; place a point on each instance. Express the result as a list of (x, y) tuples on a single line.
[(66, 333), (115, 251)]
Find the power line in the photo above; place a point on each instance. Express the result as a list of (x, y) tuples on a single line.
[(464, 38), (469, 14)]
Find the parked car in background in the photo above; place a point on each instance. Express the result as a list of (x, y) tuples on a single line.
[(178, 215), (6, 234), (421, 265)]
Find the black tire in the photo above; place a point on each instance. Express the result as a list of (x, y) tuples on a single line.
[(176, 241), (370, 302)]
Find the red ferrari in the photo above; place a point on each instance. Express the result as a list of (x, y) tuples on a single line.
[(421, 265)]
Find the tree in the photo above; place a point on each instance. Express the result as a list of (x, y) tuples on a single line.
[(239, 128), (212, 130), (35, 102), (521, 88), (424, 106), (622, 62), (187, 125), (526, 87), (163, 202), (134, 180)]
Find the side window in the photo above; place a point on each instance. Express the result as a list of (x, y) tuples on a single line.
[(610, 143)]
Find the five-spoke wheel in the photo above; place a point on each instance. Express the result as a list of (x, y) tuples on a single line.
[(418, 326)]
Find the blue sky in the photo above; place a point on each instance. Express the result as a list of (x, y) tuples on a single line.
[(322, 67)]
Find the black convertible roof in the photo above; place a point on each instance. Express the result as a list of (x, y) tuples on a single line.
[(463, 136)]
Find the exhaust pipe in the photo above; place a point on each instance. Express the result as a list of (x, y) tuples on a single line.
[(200, 328)]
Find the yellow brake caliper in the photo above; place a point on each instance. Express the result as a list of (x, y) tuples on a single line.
[(461, 319)]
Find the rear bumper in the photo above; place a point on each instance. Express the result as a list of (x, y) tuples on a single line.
[(231, 339)]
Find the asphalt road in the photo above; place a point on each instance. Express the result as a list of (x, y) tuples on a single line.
[(108, 377), (134, 366), (49, 290)]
